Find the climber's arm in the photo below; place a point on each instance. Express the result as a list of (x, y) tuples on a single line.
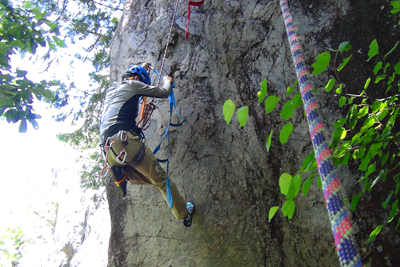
[(153, 91)]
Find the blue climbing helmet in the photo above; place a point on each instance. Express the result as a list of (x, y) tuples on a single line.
[(141, 72)]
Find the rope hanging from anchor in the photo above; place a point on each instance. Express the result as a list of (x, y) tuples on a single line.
[(338, 214)]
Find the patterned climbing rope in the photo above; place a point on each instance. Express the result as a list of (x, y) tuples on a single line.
[(338, 214)]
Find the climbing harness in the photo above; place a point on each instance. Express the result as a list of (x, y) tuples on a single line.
[(338, 214), (188, 16), (121, 157)]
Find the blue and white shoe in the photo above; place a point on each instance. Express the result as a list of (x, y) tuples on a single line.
[(188, 220)]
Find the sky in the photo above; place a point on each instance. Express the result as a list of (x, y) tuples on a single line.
[(29, 160)]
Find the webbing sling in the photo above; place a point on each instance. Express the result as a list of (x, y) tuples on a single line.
[(172, 106), (338, 214), (188, 15)]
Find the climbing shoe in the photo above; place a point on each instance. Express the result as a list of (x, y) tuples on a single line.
[(119, 175), (188, 220)]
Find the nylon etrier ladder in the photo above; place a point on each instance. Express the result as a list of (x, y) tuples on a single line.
[(338, 214)]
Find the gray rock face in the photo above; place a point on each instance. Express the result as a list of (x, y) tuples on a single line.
[(225, 169)]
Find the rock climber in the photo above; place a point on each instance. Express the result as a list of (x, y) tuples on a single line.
[(130, 159)]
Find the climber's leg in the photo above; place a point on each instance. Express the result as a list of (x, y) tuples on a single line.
[(153, 170)]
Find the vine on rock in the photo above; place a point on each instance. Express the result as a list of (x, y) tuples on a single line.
[(366, 136)]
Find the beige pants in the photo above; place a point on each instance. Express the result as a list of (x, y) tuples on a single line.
[(149, 172)]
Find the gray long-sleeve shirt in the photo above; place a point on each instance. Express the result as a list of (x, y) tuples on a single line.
[(121, 105)]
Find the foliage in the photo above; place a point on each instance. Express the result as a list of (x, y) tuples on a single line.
[(87, 18), (23, 30), (86, 138), (83, 19), (13, 251), (367, 136)]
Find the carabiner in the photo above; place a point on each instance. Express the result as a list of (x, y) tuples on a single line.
[(109, 145), (123, 136), (102, 170), (119, 156)]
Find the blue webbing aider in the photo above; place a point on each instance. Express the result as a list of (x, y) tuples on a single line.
[(172, 105)]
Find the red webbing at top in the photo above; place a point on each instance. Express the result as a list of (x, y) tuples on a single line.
[(188, 16)]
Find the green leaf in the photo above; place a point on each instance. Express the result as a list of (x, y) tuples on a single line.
[(272, 212), (288, 209), (382, 114), (397, 68), (394, 211), (391, 50), (345, 46), (363, 111), (28, 5), (263, 92), (307, 162), (342, 101), (386, 202), (339, 89), (365, 162), (398, 223), (380, 78), (339, 123), (268, 142), (371, 169), (307, 184), (243, 114), (338, 134), (290, 89), (290, 106), (51, 45), (395, 4), (368, 123), (354, 201), (294, 188), (375, 232), (22, 126), (380, 176), (330, 85), (322, 63), (270, 103), (51, 25), (376, 106), (284, 183), (345, 160), (285, 132), (351, 100), (384, 158), (319, 182), (228, 110), (58, 41), (343, 64), (373, 49), (378, 66)]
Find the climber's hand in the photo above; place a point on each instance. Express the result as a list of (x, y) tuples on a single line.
[(146, 66), (167, 79)]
